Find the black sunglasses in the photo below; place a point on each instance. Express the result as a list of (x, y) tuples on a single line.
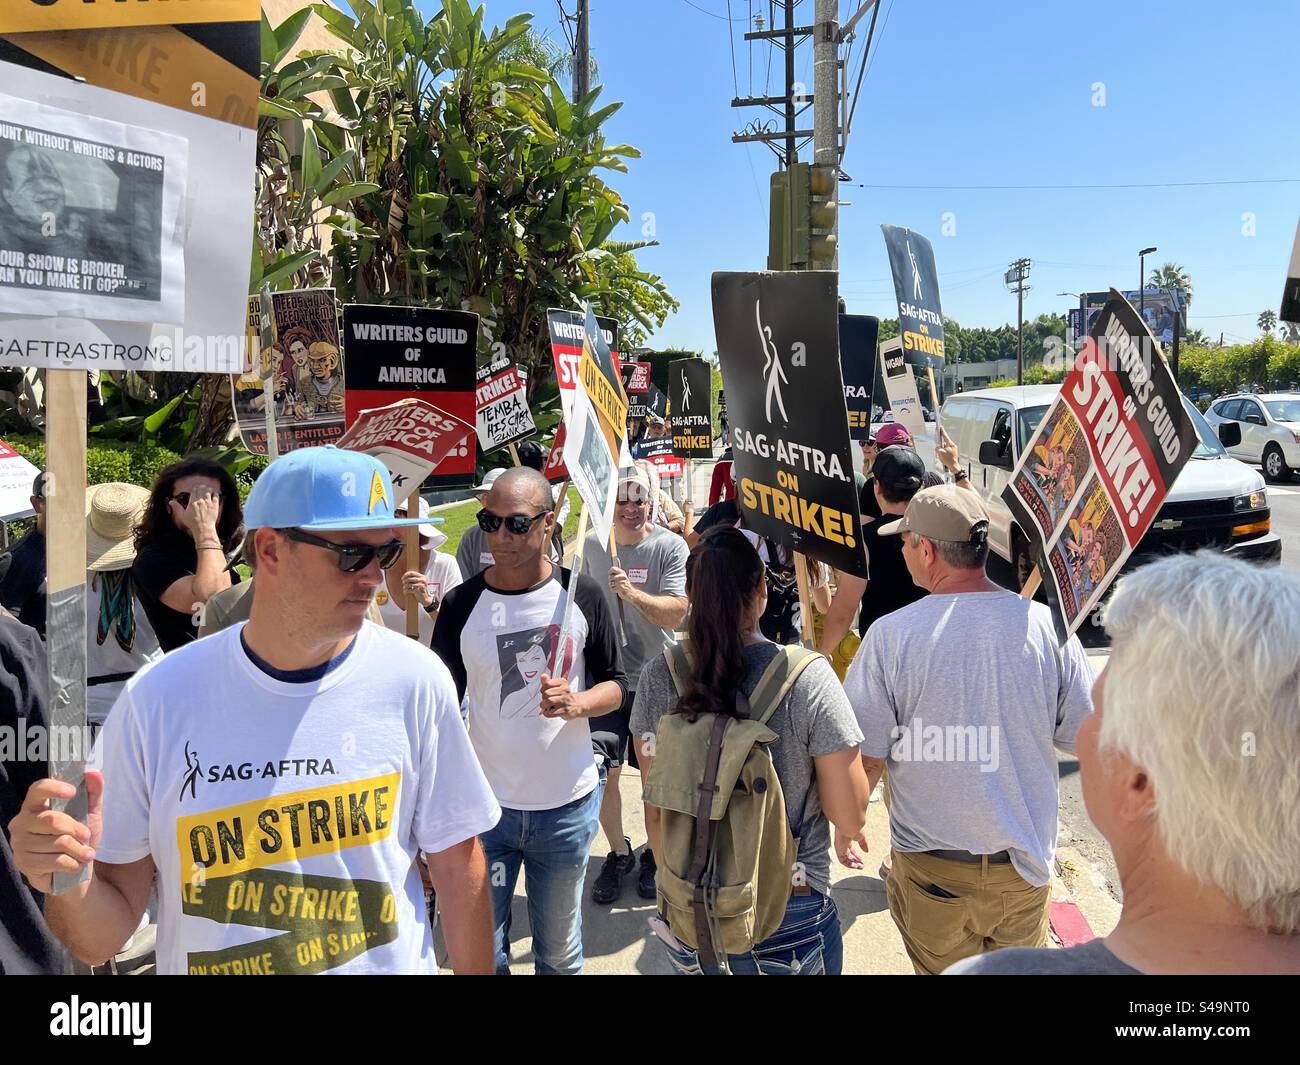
[(183, 498), (519, 524), (352, 557)]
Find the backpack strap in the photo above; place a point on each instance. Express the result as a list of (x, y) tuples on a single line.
[(703, 844), (778, 678), (678, 657)]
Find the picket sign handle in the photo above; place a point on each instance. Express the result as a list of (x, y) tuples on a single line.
[(622, 620), (268, 382), (805, 598), (559, 502), (1032, 582), (514, 454), (412, 562), (65, 567), (566, 619)]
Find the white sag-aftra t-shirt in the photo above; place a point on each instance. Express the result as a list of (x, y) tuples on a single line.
[(284, 817)]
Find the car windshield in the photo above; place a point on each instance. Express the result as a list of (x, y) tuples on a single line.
[(1284, 410), (1207, 446)]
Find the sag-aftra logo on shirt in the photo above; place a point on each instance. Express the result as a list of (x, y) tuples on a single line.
[(217, 773)]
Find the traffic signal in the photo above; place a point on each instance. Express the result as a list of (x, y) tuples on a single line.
[(822, 209), (803, 213), (779, 223)]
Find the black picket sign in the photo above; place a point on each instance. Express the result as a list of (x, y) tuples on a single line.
[(858, 338), (689, 383), (779, 349)]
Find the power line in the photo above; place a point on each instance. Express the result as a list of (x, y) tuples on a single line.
[(1045, 188), (731, 43), (862, 69), (712, 14)]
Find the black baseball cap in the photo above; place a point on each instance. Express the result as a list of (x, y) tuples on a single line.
[(899, 471)]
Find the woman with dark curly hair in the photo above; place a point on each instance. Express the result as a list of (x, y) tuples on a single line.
[(192, 522)]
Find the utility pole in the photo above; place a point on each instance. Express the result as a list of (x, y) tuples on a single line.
[(582, 52), (1016, 276), (826, 98), (785, 141), (791, 152)]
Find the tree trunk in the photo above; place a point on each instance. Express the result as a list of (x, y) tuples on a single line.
[(215, 423)]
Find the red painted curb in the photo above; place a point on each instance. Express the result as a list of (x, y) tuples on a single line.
[(1069, 924)]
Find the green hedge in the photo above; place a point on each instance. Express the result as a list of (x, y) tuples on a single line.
[(132, 463)]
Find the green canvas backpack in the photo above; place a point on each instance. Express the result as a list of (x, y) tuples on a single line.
[(727, 857)]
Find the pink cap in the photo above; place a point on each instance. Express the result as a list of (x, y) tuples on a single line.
[(893, 433)]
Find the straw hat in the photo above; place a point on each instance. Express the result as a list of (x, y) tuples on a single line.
[(112, 511)]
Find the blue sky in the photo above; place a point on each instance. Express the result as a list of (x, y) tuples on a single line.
[(963, 93)]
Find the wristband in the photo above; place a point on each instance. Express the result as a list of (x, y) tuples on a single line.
[(210, 547), (959, 475)]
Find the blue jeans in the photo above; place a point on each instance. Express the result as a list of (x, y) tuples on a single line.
[(807, 943), (552, 846)]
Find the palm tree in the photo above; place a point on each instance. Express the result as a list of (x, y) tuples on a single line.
[(1266, 321), (1172, 275)]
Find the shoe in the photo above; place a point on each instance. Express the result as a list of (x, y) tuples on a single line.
[(609, 884), (645, 881)]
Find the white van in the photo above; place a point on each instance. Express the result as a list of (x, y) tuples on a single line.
[(1216, 502)]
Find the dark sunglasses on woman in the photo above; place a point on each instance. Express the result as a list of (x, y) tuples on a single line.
[(519, 524), (352, 558)]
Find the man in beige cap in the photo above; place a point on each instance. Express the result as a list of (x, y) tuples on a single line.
[(963, 694)]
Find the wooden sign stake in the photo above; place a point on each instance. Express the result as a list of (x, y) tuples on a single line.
[(1032, 582), (65, 565), (412, 562), (805, 598)]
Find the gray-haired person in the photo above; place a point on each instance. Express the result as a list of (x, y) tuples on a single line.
[(1188, 766)]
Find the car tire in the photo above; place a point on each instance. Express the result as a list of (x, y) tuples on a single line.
[(1022, 563), (1276, 471)]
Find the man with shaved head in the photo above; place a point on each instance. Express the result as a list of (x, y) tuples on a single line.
[(527, 694)]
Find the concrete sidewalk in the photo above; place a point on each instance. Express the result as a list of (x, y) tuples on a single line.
[(616, 940)]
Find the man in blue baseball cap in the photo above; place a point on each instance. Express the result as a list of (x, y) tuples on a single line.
[(283, 776)]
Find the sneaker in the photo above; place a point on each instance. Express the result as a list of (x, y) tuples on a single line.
[(609, 883), (645, 881)]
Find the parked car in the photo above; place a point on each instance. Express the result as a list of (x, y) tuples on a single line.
[(1216, 502), (1270, 430)]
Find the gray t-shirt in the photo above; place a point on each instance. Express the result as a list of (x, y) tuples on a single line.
[(656, 566), (966, 694), (813, 719), (473, 555), (1087, 959)]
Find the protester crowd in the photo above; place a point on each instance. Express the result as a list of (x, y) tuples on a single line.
[(260, 736)]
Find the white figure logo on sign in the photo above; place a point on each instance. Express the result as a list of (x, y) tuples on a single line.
[(916, 274), (773, 373)]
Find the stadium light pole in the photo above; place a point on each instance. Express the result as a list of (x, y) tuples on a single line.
[(1142, 279)]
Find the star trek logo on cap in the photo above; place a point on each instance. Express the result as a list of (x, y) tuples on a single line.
[(377, 493)]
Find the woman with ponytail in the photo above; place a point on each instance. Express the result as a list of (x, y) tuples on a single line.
[(815, 755)]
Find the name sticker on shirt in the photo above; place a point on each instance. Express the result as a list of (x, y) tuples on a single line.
[(638, 575), (486, 558)]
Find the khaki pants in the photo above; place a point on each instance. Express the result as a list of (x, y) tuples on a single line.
[(995, 907)]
